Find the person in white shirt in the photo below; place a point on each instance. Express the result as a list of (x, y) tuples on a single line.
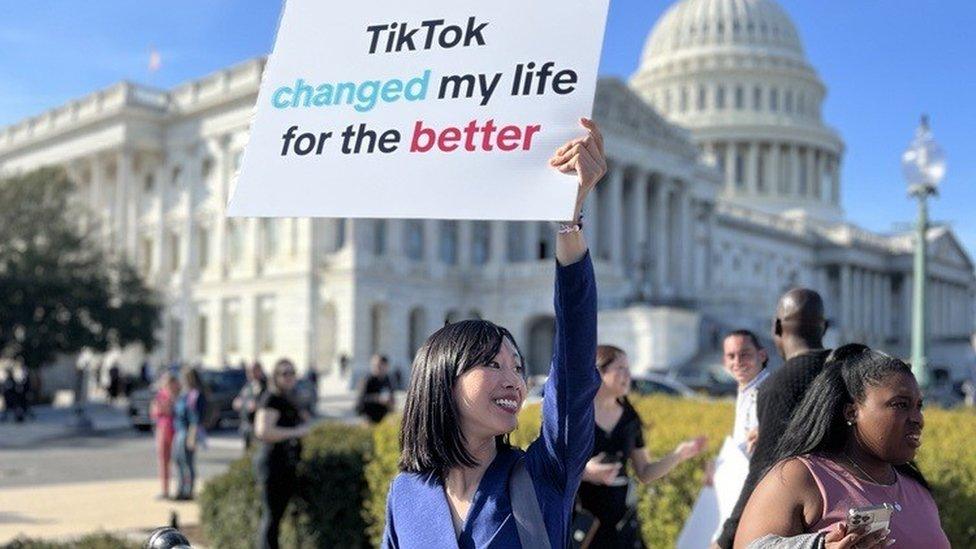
[(744, 358)]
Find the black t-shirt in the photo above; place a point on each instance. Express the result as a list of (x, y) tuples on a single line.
[(609, 502), (626, 436), (288, 416), (376, 385)]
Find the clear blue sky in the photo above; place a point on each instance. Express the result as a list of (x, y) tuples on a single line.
[(884, 63)]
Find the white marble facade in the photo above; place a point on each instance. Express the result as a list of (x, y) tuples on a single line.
[(714, 204)]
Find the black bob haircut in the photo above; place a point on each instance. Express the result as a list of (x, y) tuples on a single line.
[(430, 433), (818, 424)]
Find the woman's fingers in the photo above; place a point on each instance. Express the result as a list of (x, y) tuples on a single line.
[(592, 128)]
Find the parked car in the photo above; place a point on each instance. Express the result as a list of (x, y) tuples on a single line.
[(714, 383), (651, 383), (643, 384), (224, 386)]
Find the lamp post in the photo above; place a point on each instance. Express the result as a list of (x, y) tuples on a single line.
[(924, 166)]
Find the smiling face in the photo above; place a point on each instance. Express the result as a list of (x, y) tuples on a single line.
[(489, 396), (616, 377), (741, 359), (888, 422)]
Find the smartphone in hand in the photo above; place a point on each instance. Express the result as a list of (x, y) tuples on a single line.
[(869, 519)]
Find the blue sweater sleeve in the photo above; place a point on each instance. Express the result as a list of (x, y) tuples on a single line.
[(567, 408)]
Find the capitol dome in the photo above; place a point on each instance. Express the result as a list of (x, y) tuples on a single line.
[(735, 74), (702, 23)]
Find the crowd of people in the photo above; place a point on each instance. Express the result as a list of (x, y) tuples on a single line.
[(819, 448)]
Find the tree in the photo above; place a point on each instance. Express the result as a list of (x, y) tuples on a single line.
[(60, 291)]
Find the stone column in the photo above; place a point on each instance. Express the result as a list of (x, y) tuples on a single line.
[(102, 220), (794, 170), (464, 243), (858, 299), (394, 238), (686, 250), (773, 183), (532, 240), (218, 148), (615, 196), (846, 305), (661, 248), (709, 152), (127, 180), (752, 169), (811, 172), (431, 241), (499, 243), (194, 176), (730, 150), (638, 217), (877, 312), (835, 180), (159, 250), (886, 306), (819, 176)]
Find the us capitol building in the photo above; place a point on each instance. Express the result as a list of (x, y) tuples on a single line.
[(723, 191)]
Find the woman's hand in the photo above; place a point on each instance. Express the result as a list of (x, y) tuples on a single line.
[(690, 448), (838, 538), (598, 472), (585, 158)]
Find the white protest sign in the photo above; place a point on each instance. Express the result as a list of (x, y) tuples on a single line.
[(421, 109)]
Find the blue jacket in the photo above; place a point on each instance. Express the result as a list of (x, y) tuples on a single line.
[(417, 512)]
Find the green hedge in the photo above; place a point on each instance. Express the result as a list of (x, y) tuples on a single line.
[(328, 509), (91, 541), (353, 509)]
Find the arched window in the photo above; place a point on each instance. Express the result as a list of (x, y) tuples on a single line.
[(702, 95), (542, 331), (515, 233), (417, 331), (377, 329), (480, 242), (415, 239), (379, 237), (740, 98), (449, 241), (757, 98), (683, 107), (740, 168), (452, 316), (773, 99), (720, 98)]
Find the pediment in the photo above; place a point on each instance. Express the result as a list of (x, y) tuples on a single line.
[(945, 247), (620, 109)]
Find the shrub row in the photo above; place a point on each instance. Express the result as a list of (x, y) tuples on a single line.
[(328, 509), (346, 472), (91, 541)]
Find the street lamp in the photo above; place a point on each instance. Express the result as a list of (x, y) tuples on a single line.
[(924, 166)]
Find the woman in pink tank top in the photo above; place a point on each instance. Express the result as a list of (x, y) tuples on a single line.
[(161, 411), (850, 443)]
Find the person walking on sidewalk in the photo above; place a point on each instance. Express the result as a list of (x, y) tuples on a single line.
[(189, 414), (279, 425), (246, 401), (161, 410), (376, 391)]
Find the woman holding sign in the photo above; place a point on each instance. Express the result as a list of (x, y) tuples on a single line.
[(461, 484)]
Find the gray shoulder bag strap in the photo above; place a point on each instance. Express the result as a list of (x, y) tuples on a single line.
[(525, 509)]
